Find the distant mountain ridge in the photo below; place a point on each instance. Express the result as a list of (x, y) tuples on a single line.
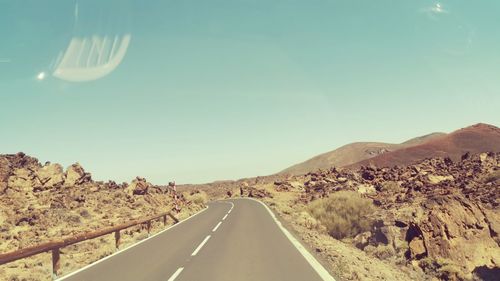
[(475, 139)]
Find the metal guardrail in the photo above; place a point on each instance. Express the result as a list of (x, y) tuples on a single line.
[(55, 245)]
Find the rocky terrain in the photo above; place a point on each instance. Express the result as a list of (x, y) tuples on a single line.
[(439, 215), (438, 219), (428, 211), (43, 202)]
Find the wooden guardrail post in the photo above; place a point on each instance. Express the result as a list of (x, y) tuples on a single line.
[(173, 217), (56, 262), (148, 226), (117, 239)]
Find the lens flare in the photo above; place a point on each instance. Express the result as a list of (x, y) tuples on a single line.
[(41, 76)]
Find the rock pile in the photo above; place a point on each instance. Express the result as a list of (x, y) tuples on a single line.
[(76, 175), (22, 173), (40, 202), (138, 186), (439, 215)]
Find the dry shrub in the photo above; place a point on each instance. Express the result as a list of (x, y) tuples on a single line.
[(85, 214), (492, 177), (443, 268), (389, 186), (344, 214), (306, 220), (384, 252), (199, 198), (284, 208)]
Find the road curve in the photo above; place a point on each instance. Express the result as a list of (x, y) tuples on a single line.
[(231, 240)]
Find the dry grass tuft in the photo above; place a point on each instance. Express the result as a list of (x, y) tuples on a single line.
[(444, 269), (492, 177), (199, 198), (384, 252), (344, 214), (390, 186)]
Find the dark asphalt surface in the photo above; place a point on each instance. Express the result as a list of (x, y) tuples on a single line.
[(247, 245)]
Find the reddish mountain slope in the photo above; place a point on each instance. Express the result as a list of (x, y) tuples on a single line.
[(353, 153), (474, 139)]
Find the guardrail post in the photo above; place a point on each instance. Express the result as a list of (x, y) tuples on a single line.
[(117, 239), (173, 217), (148, 226), (164, 220), (56, 262)]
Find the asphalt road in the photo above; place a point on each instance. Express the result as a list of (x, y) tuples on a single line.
[(231, 240)]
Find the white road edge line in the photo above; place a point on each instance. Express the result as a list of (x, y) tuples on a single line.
[(224, 217), (176, 273), (217, 226), (126, 248), (322, 272), (201, 245)]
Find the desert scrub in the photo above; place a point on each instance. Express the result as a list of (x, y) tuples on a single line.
[(306, 220), (284, 208), (199, 197), (492, 177), (343, 214), (389, 186), (384, 252), (443, 269)]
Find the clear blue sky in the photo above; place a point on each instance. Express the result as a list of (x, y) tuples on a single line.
[(212, 90)]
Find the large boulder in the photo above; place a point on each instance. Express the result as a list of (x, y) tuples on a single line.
[(138, 186), (111, 185), (456, 229), (4, 173), (417, 248), (22, 179), (434, 179), (362, 240), (367, 174), (9, 163), (50, 175), (366, 189), (21, 160), (76, 175)]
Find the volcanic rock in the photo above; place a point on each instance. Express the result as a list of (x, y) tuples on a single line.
[(455, 228), (50, 175), (22, 179), (417, 248), (437, 211), (76, 175), (138, 186)]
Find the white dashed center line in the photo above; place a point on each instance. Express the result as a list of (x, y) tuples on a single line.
[(176, 273), (217, 226), (224, 217), (201, 245)]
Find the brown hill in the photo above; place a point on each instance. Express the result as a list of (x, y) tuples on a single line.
[(474, 139), (353, 153), (422, 139)]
